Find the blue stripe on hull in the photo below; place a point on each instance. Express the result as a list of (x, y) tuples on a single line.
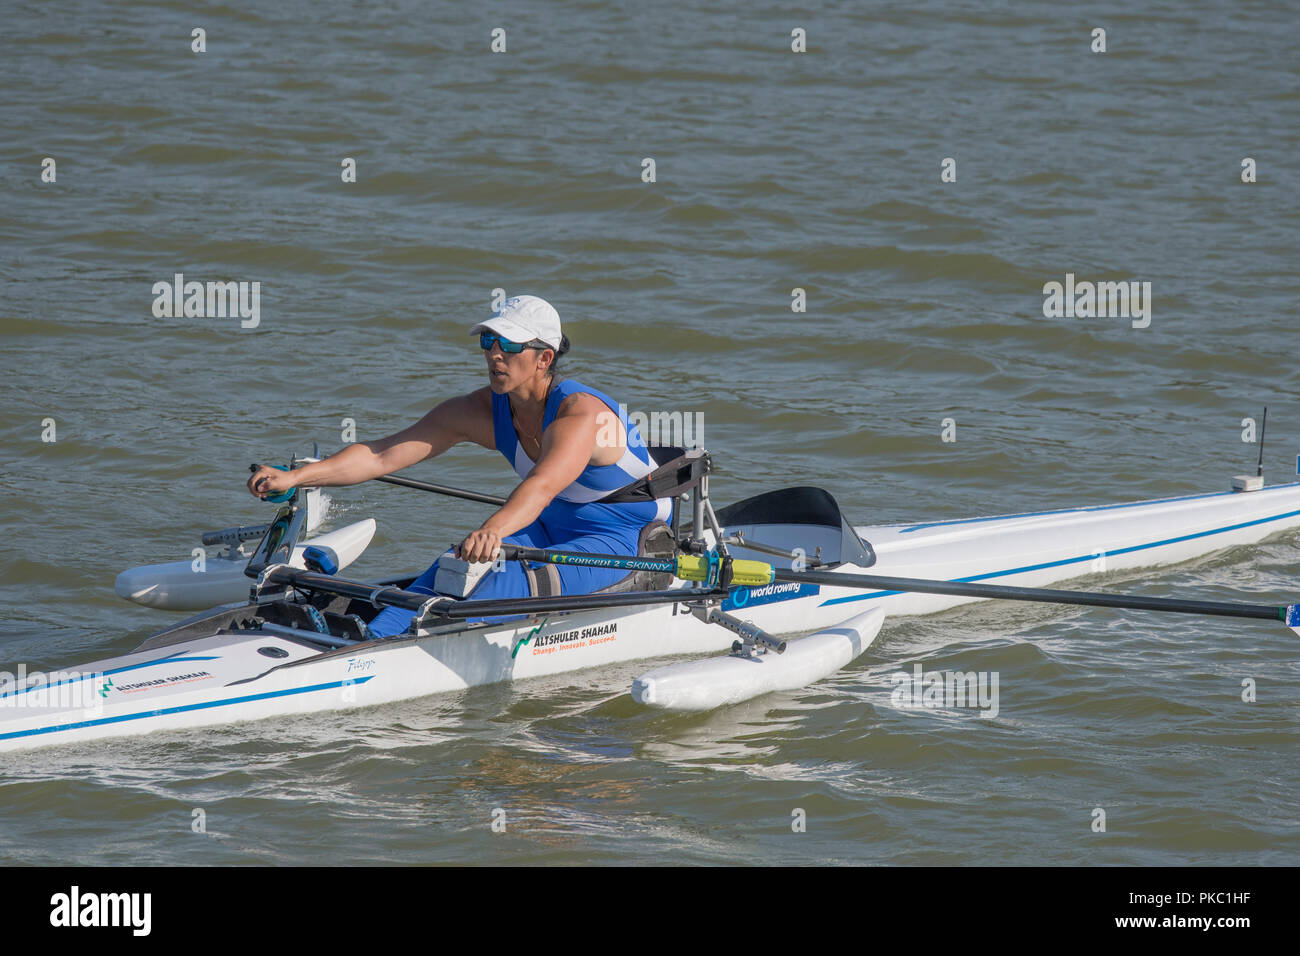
[(1070, 511), (166, 711)]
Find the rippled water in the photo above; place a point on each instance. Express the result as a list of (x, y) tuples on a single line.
[(819, 171)]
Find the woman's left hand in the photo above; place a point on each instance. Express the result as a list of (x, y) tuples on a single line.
[(480, 545)]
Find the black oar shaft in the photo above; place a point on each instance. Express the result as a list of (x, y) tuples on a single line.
[(576, 602), (620, 562), (442, 489), (389, 596), (425, 486), (1043, 595)]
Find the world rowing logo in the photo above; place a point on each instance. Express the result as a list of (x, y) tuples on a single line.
[(767, 594), (524, 640)]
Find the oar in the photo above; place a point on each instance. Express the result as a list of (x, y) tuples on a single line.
[(1286, 613), (711, 569), (405, 483), (442, 489), (455, 608)]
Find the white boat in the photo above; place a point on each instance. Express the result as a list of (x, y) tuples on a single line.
[(300, 645)]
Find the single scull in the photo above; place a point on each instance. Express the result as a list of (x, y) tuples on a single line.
[(739, 579)]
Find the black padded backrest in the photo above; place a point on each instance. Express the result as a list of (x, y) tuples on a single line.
[(803, 505)]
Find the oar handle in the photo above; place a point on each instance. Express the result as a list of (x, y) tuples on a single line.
[(277, 498)]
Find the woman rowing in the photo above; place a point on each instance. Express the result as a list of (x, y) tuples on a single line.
[(572, 447)]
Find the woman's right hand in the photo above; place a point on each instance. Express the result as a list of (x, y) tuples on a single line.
[(269, 481)]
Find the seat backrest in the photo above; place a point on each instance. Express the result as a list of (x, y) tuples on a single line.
[(801, 517)]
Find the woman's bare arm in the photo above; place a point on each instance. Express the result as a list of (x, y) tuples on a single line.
[(567, 446), (460, 419)]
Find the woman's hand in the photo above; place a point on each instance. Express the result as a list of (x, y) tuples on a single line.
[(480, 545), (269, 481)]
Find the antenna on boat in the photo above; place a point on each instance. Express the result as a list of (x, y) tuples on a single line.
[(1256, 481), (1262, 425)]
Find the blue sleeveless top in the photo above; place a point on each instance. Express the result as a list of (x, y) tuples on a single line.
[(596, 481)]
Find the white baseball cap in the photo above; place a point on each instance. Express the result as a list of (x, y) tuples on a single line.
[(523, 318)]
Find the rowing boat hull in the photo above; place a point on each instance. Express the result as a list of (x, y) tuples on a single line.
[(227, 678), (221, 678)]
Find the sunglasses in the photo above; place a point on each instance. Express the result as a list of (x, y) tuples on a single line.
[(485, 339)]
